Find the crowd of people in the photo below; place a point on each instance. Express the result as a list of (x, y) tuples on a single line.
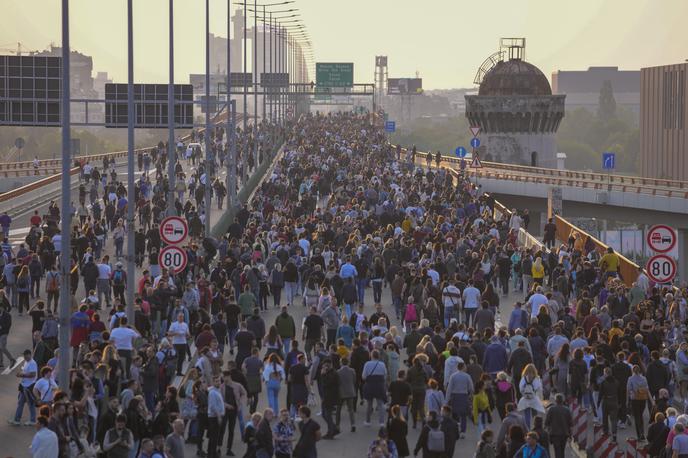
[(436, 346)]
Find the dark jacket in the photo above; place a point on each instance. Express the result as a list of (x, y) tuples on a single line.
[(330, 384), (559, 420), (264, 437), (657, 376)]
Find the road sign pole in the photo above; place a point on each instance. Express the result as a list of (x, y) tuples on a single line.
[(244, 148), (254, 69), (231, 138), (66, 242), (131, 194), (207, 195), (171, 146)]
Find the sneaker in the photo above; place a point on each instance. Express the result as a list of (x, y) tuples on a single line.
[(14, 422), (319, 414), (382, 425), (366, 423), (353, 429), (29, 423), (229, 453), (462, 436)]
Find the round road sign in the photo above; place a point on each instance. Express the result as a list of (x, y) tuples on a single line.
[(174, 230), (460, 152), (661, 238), (475, 142), (661, 268), (173, 258)]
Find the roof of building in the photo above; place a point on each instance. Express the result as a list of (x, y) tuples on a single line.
[(515, 77)]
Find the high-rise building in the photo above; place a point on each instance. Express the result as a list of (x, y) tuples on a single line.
[(663, 112), (582, 87)]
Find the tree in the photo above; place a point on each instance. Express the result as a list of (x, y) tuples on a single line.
[(607, 108)]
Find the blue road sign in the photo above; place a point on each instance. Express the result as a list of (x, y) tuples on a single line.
[(608, 161), (460, 152), (475, 142), (390, 126)]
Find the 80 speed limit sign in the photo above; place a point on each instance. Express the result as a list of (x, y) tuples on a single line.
[(661, 268), (173, 258)]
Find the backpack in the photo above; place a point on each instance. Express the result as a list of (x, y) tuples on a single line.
[(170, 364), (118, 277), (528, 390), (435, 440), (52, 282)]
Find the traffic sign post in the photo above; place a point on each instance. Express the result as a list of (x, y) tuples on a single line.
[(390, 126), (173, 258), (661, 268), (460, 152), (174, 230), (608, 161), (661, 238)]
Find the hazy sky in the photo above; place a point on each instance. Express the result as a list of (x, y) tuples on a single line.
[(444, 40)]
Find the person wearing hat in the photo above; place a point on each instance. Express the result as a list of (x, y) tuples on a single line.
[(119, 282)]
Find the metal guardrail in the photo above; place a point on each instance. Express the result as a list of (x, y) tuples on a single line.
[(627, 268), (584, 180)]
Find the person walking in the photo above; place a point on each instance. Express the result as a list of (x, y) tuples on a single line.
[(530, 388), (558, 422), (347, 393), (5, 326), (374, 377), (639, 395), (27, 376), (310, 435)]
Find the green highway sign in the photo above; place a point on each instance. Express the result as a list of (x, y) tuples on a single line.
[(329, 74)]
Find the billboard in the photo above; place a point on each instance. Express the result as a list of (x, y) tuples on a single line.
[(403, 86), (150, 102), (274, 79), (30, 90), (328, 74)]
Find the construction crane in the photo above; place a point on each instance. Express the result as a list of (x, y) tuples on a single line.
[(19, 50)]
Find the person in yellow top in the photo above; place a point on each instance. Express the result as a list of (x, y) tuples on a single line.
[(538, 271), (406, 224), (615, 330), (610, 263), (481, 407)]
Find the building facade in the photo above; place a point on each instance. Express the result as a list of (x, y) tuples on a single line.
[(582, 87), (663, 112)]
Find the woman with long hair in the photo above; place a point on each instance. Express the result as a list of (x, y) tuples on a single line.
[(273, 342), (23, 285), (560, 371), (273, 374), (530, 388), (398, 430)]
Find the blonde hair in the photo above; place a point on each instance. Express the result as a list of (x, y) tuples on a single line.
[(530, 372)]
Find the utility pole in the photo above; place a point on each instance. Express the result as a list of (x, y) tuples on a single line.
[(66, 242), (254, 67), (171, 146), (131, 187), (244, 149), (231, 124), (208, 132)]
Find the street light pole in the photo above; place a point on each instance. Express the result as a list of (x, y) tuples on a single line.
[(231, 126), (131, 194), (264, 56), (208, 184), (171, 147), (66, 214), (254, 67), (244, 152)]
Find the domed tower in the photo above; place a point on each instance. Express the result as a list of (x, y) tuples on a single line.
[(517, 114)]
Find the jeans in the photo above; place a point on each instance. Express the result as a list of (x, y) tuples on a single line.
[(149, 397), (3, 349), (380, 410), (328, 413), (11, 293), (396, 301), (228, 424), (125, 356), (53, 297), (290, 291), (610, 413), (286, 345), (360, 288), (528, 415), (349, 402), (181, 354), (231, 333), (103, 286), (459, 404), (638, 408), (25, 398), (448, 315), (273, 386), (35, 287), (119, 244), (468, 315), (377, 291)]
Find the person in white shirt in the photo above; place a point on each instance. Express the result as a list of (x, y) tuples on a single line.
[(103, 281), (434, 275), (27, 376), (537, 300), (451, 299), (179, 332), (471, 301), (122, 338), (44, 388), (44, 443)]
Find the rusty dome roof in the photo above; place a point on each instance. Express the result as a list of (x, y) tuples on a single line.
[(514, 77)]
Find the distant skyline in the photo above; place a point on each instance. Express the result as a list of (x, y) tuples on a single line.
[(445, 41)]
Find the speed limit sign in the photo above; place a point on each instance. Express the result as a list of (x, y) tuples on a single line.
[(661, 268), (173, 258)]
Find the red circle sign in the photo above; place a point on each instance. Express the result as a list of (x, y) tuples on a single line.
[(174, 230), (661, 238), (661, 268), (173, 258)]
